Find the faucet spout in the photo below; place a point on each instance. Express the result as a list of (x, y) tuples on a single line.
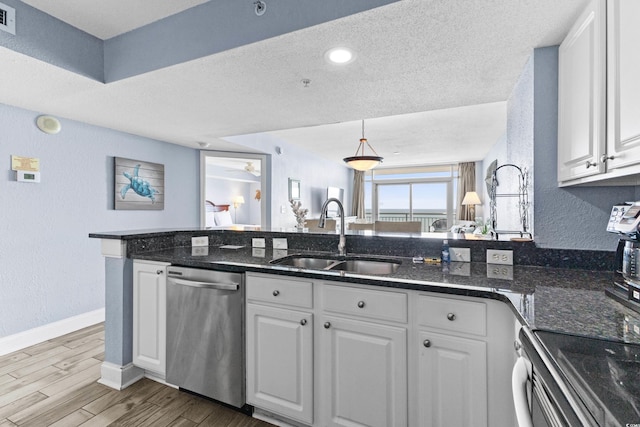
[(342, 245)]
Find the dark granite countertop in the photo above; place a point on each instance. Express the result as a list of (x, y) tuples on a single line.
[(561, 300)]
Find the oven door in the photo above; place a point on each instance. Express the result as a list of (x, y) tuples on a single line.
[(540, 395)]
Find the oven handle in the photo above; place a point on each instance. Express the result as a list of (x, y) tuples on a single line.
[(207, 285), (520, 377)]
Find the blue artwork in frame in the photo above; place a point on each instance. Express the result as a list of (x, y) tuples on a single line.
[(138, 185)]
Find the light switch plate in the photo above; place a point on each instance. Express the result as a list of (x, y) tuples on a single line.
[(279, 243), (258, 243), (460, 254), (200, 241), (495, 256)]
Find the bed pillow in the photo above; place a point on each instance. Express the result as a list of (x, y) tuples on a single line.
[(223, 218)]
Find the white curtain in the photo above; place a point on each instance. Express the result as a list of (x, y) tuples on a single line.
[(466, 182), (357, 199)]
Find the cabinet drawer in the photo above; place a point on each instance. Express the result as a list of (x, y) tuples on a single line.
[(374, 304), (277, 290), (452, 315)]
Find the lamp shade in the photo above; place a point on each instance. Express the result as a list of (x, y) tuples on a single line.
[(238, 199), (360, 161), (471, 198)]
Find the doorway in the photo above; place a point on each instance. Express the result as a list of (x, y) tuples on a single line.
[(237, 182)]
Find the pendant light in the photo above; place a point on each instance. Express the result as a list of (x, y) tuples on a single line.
[(361, 162)]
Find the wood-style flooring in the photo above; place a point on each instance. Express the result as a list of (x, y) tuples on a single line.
[(54, 383)]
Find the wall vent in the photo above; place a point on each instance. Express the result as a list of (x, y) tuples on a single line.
[(7, 19)]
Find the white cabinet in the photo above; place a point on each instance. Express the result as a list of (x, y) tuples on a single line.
[(280, 361), (581, 96), (363, 356), (452, 381), (599, 97), (623, 89), (279, 334), (149, 316), (365, 370)]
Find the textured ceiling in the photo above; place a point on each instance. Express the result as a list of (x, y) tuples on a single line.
[(414, 56)]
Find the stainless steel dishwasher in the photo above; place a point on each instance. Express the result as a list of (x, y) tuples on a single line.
[(205, 334)]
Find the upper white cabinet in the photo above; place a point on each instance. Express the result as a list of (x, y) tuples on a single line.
[(623, 89), (581, 96), (150, 316), (599, 97)]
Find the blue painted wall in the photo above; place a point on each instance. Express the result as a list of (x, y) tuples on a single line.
[(49, 268), (564, 218)]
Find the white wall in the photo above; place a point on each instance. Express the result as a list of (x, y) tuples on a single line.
[(49, 268)]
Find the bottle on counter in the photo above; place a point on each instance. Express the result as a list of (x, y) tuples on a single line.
[(445, 255)]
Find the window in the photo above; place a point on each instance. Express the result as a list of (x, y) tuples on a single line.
[(424, 194)]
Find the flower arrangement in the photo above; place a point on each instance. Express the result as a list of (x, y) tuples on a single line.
[(296, 207)]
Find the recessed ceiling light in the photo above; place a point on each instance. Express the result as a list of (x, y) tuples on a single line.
[(340, 55)]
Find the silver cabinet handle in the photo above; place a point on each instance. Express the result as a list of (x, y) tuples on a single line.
[(303, 322), (159, 271), (426, 343), (589, 164), (327, 325), (276, 293), (360, 304), (451, 316), (604, 158)]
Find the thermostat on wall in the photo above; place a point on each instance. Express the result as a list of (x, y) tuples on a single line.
[(28, 176)]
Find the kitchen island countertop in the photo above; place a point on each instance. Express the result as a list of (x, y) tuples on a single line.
[(561, 300)]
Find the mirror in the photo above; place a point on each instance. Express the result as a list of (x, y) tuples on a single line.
[(294, 189)]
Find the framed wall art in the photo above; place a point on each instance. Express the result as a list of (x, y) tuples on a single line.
[(139, 185)]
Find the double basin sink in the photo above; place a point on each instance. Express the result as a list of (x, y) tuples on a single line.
[(349, 264)]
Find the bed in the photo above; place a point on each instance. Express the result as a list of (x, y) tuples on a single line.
[(218, 217)]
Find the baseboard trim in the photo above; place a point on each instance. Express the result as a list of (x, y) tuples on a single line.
[(30, 337), (119, 377)]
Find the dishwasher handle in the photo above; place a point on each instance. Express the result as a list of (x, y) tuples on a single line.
[(207, 285), (520, 378)]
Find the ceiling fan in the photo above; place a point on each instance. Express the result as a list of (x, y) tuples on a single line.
[(247, 168)]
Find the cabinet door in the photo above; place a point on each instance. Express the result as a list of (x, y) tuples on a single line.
[(452, 381), (623, 38), (581, 96), (280, 361), (365, 368), (149, 316)]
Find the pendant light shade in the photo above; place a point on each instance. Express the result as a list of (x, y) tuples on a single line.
[(360, 161)]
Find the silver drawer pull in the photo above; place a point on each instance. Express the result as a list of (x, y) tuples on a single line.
[(451, 316), (303, 322), (327, 325), (426, 343), (276, 293), (360, 304)]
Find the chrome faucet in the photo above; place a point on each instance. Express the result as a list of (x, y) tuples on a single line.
[(342, 246)]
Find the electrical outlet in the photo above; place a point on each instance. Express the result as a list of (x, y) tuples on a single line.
[(495, 256), (200, 241), (200, 251), (460, 254), (258, 243), (496, 271), (279, 243)]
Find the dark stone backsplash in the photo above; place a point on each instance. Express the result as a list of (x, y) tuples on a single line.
[(524, 253)]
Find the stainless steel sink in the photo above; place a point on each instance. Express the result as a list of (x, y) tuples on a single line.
[(347, 264), (305, 262), (367, 267)]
